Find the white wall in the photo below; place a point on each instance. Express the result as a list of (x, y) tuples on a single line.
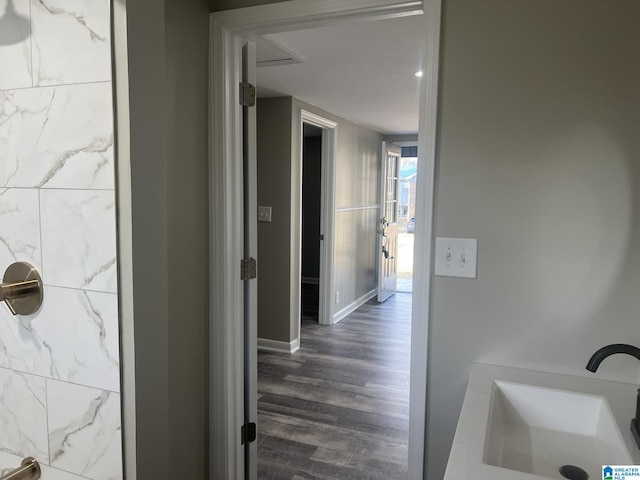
[(59, 368), (539, 158)]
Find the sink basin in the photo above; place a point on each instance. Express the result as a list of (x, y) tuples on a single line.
[(538, 430)]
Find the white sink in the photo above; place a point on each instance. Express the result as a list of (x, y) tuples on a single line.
[(520, 424), (537, 430)]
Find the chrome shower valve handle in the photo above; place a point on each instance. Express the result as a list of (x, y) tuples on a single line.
[(21, 289), (28, 470)]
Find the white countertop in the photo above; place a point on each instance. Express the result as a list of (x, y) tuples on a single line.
[(466, 457)]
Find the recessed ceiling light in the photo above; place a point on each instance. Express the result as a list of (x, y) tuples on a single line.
[(418, 73)]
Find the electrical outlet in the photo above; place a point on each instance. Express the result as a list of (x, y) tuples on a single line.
[(456, 257), (337, 297)]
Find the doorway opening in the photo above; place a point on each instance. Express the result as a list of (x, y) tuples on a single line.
[(347, 386), (311, 213), (226, 287), (408, 182)]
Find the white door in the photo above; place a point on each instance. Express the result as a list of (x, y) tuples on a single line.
[(388, 228), (250, 143)]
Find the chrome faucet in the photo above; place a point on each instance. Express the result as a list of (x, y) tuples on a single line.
[(594, 363)]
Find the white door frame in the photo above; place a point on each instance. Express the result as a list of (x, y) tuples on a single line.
[(226, 233), (327, 219)]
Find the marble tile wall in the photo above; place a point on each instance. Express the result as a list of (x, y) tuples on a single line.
[(59, 368)]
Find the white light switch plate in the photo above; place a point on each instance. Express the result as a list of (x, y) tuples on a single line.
[(456, 257), (264, 214)]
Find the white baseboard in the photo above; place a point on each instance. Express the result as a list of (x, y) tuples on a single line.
[(266, 345), (310, 280), (353, 306)]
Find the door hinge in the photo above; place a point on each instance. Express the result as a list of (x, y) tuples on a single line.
[(248, 433), (248, 268), (321, 237), (247, 95)]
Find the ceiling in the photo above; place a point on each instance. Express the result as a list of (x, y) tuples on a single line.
[(363, 72)]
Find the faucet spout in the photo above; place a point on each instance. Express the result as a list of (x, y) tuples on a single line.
[(604, 352), (594, 363)]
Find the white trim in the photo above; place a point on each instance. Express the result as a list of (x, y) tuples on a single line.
[(424, 234), (310, 281), (316, 120), (226, 339), (250, 225), (353, 306), (358, 208), (120, 72), (267, 345), (327, 223), (225, 454)]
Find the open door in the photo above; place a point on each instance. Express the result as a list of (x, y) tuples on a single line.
[(388, 231), (249, 154)]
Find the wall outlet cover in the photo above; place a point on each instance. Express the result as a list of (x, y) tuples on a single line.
[(456, 257)]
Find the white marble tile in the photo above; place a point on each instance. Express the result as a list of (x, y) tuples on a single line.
[(20, 349), (19, 227), (15, 44), (74, 337), (84, 430), (71, 41), (78, 239), (57, 137), (9, 462), (50, 473), (23, 415)]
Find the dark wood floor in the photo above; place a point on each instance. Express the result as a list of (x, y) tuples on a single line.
[(339, 407)]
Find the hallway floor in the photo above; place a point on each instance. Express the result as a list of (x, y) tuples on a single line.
[(339, 407)]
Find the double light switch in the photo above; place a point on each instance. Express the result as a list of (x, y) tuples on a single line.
[(456, 257)]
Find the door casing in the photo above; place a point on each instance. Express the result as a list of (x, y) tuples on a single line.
[(250, 159), (327, 214), (226, 385)]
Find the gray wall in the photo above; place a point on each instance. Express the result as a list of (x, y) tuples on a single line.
[(187, 50), (274, 239), (168, 72), (357, 167), (539, 158), (149, 206), (357, 183)]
